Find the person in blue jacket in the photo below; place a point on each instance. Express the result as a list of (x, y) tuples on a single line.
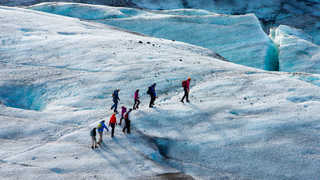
[(101, 127), (116, 99), (152, 92)]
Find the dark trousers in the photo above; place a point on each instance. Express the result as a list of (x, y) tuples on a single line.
[(186, 95), (136, 104), (121, 120), (126, 126), (113, 125), (153, 98), (115, 106)]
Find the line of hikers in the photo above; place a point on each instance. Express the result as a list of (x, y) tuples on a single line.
[(125, 115)]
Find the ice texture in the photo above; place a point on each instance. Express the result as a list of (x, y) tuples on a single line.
[(242, 122), (297, 53), (240, 39)]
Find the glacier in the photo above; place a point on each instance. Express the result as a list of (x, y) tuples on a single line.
[(239, 39), (301, 14), (297, 52), (57, 75)]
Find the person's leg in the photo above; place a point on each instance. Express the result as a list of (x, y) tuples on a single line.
[(95, 142), (112, 131), (138, 103), (121, 120), (134, 105), (116, 107), (124, 128), (152, 100), (128, 128), (187, 96), (150, 104), (100, 137), (92, 145)]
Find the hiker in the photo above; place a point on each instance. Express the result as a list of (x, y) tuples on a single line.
[(186, 88), (112, 123), (123, 111), (116, 99), (152, 92), (101, 127), (136, 100), (93, 134), (128, 122)]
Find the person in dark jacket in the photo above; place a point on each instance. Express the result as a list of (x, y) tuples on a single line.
[(112, 123), (101, 127), (136, 100), (128, 122), (115, 99), (186, 88), (152, 92), (93, 135)]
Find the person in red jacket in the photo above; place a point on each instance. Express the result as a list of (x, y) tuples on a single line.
[(186, 88), (112, 123), (136, 100)]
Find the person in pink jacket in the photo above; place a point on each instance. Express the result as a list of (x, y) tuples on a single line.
[(136, 100), (186, 88), (123, 111)]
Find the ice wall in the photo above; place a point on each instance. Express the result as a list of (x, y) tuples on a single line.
[(297, 53), (302, 14), (239, 39)]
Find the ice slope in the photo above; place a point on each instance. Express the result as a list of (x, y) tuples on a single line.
[(297, 53), (302, 14), (240, 39), (240, 126), (56, 78), (104, 2)]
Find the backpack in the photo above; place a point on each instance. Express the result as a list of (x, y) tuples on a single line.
[(126, 116), (149, 90), (184, 83), (99, 126)]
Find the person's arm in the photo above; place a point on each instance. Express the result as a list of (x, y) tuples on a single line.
[(105, 127)]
